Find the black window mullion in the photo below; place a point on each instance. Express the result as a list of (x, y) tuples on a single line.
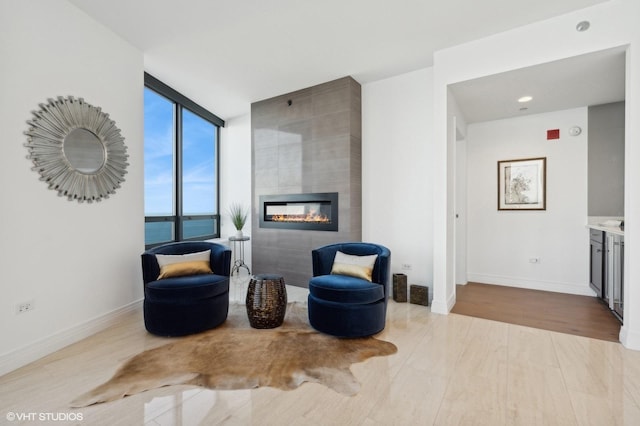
[(217, 159), (178, 207)]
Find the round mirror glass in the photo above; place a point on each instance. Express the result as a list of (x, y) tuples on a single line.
[(84, 151)]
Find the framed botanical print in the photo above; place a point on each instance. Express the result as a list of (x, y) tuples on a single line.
[(522, 184)]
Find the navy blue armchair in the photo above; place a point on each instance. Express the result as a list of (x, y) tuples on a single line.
[(345, 305), (181, 305)]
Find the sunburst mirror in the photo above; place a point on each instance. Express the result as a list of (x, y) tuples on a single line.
[(77, 149)]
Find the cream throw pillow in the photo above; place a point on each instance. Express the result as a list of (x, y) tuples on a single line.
[(195, 263), (167, 259), (354, 266)]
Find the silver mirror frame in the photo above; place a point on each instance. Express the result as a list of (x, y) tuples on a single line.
[(47, 132)]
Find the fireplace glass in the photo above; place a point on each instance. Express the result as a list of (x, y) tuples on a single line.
[(312, 211)]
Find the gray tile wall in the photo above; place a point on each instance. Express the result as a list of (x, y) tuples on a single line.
[(312, 145)]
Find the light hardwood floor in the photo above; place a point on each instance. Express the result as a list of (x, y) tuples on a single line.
[(449, 369)]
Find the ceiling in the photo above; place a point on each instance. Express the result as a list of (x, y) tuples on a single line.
[(592, 79), (226, 54)]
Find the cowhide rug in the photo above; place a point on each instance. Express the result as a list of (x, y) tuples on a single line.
[(235, 356)]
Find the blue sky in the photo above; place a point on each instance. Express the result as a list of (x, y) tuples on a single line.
[(199, 174)]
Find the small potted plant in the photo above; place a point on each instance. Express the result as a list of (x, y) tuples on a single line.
[(238, 214)]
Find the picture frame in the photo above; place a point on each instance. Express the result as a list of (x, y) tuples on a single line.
[(522, 184)]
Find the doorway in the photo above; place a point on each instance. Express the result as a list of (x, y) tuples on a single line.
[(477, 106)]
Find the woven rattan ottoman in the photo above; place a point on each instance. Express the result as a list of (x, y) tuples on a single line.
[(266, 301)]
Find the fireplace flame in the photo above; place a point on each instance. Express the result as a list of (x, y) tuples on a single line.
[(311, 217)]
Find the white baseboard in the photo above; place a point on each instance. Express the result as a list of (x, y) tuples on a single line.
[(443, 307), (630, 339), (558, 287), (36, 350)]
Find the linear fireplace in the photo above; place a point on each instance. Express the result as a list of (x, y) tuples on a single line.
[(310, 212)]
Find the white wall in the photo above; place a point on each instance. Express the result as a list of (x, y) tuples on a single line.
[(613, 24), (461, 276), (235, 175), (79, 263), (501, 243), (458, 126), (397, 183)]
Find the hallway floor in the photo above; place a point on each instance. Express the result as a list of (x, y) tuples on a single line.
[(565, 313)]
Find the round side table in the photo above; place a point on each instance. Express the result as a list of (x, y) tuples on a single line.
[(238, 254), (266, 301)]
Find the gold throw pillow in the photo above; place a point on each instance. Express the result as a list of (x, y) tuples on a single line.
[(194, 267)]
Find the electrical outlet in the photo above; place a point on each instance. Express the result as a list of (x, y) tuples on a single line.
[(406, 266), (25, 307)]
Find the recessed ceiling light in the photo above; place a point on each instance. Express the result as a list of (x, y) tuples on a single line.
[(525, 99), (583, 26)]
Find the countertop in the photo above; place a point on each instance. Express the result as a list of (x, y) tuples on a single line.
[(597, 223)]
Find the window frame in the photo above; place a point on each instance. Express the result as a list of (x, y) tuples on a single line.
[(181, 102)]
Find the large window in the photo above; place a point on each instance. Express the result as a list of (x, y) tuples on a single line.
[(180, 167)]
